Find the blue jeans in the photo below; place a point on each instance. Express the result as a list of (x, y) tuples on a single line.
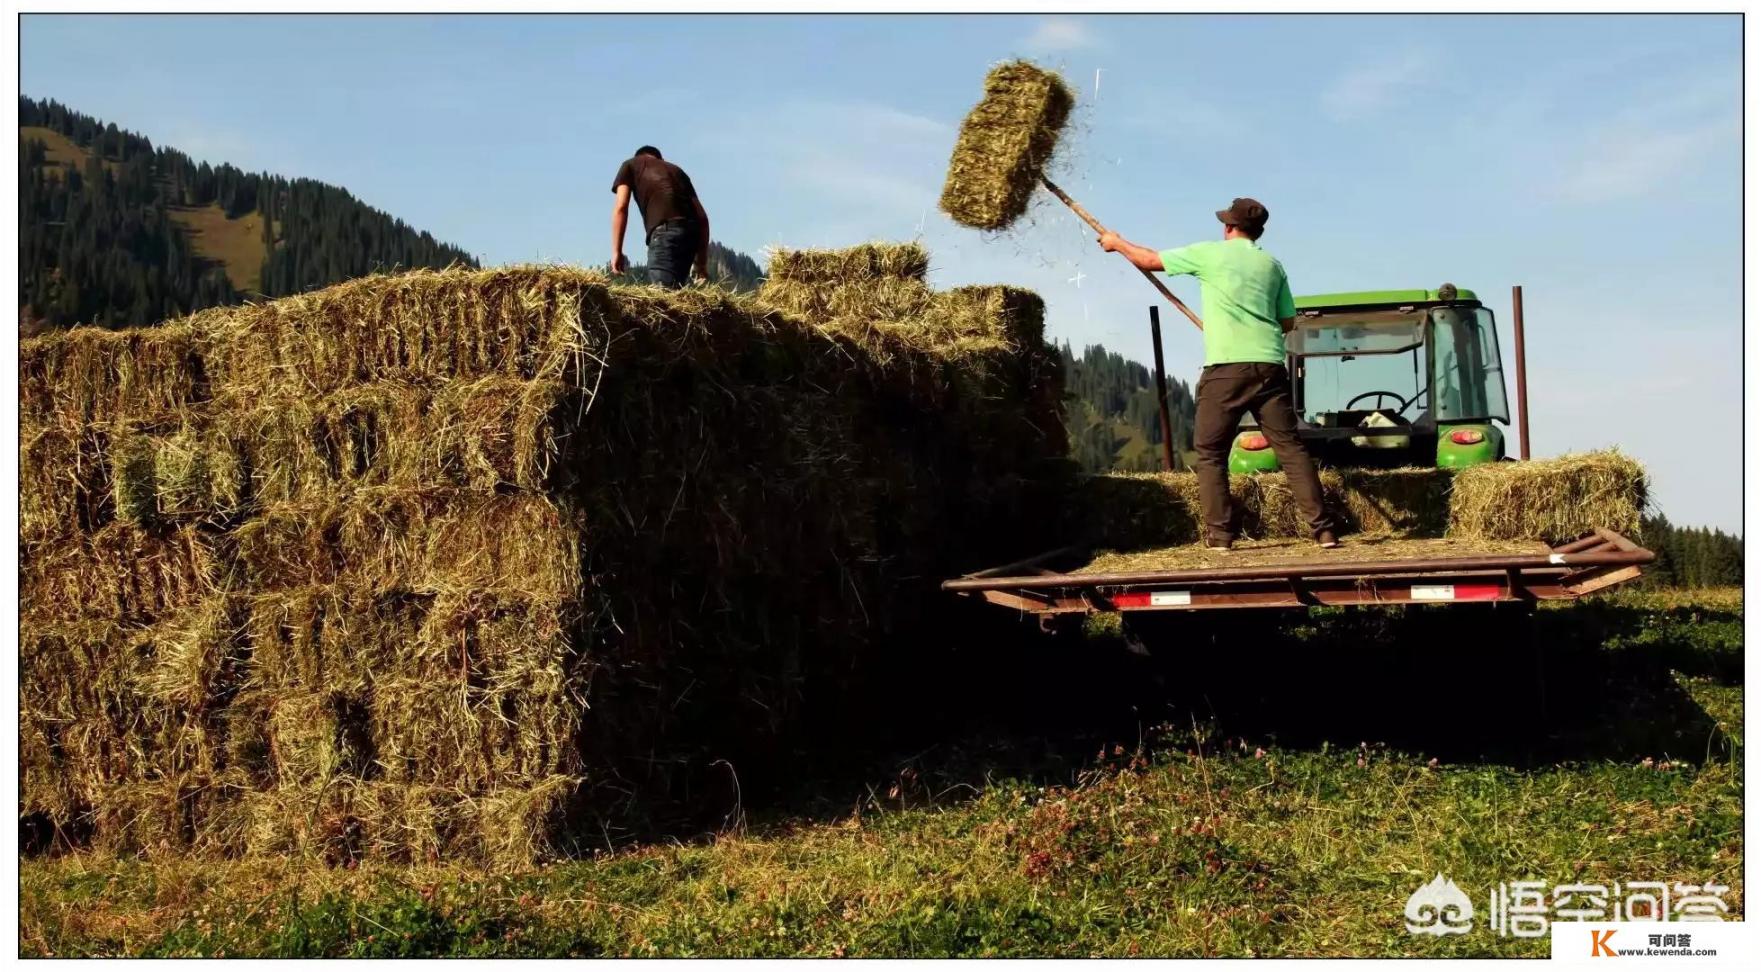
[(672, 248)]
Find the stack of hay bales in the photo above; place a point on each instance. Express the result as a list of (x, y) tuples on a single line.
[(998, 384), (436, 565), (1550, 500)]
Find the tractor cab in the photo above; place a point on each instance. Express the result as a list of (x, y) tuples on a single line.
[(1391, 378)]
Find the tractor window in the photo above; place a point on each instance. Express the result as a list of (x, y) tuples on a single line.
[(1345, 360), (1468, 378), (1337, 387), (1370, 334)]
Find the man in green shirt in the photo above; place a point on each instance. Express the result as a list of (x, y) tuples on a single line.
[(1247, 309)]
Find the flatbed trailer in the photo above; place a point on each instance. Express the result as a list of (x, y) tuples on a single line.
[(1052, 584)]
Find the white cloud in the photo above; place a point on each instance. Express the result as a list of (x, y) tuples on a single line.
[(1632, 160), (1061, 35), (876, 167), (1377, 85)]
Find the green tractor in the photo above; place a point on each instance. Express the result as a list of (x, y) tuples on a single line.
[(1391, 378)]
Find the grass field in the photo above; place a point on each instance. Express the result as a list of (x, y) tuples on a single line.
[(58, 149), (235, 244), (1091, 801)]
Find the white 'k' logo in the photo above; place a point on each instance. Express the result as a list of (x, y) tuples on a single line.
[(1439, 908)]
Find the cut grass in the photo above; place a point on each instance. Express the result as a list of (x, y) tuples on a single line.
[(1198, 846), (58, 149)]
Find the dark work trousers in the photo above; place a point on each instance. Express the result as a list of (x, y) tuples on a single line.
[(1225, 393), (672, 248)]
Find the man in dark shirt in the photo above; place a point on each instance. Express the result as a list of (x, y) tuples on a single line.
[(677, 228)]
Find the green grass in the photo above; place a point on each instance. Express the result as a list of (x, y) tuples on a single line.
[(1225, 837)]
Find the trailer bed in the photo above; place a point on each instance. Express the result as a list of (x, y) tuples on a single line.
[(1366, 569)]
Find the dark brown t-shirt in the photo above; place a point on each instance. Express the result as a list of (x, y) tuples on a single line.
[(663, 191)]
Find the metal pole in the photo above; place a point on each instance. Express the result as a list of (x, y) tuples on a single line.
[(1162, 389), (1522, 369)]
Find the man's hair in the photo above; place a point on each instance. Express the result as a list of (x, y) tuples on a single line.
[(649, 150), (1252, 231)]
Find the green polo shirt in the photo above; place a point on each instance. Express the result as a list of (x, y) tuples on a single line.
[(1246, 294)]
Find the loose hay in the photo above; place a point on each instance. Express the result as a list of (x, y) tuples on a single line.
[(1004, 145), (1265, 553)]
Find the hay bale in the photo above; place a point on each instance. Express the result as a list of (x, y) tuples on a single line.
[(134, 480), (64, 485), (1004, 145), (120, 572), (198, 473), (883, 299), (421, 327), (315, 737), (1549, 499), (865, 263), (1129, 510), (198, 655), (385, 539), (93, 375)]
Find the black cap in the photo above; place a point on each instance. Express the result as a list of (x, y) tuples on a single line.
[(1245, 213)]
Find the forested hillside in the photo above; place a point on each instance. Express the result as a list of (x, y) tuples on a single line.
[(116, 231), (1111, 413), (1691, 556)]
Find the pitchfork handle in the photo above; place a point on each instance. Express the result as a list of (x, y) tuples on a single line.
[(1095, 224)]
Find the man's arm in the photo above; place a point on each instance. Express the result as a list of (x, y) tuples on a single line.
[(620, 218), (1286, 303), (702, 267), (1141, 257)]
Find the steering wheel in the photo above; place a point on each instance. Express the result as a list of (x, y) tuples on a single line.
[(1378, 396)]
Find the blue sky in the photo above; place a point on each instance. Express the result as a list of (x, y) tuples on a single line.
[(1595, 160)]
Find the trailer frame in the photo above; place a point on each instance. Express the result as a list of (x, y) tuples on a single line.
[(1037, 585)]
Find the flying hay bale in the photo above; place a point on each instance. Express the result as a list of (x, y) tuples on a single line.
[(1004, 145), (1549, 499)]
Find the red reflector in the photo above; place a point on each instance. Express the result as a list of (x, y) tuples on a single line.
[(1467, 436), (1254, 443)]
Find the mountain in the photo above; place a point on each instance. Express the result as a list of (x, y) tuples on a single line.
[(1111, 416), (116, 231)]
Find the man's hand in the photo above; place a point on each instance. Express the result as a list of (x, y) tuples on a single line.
[(620, 264), (1141, 257), (700, 270)]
